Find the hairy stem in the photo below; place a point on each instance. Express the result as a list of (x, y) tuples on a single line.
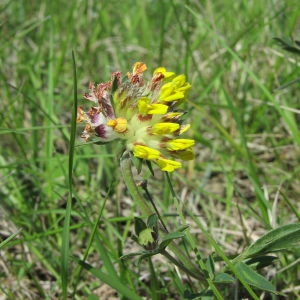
[(191, 272), (181, 260), (148, 195), (131, 186)]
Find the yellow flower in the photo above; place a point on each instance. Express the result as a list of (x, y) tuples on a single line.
[(145, 152), (187, 154), (119, 125), (174, 90), (145, 107), (164, 72), (180, 144), (141, 113), (168, 93), (168, 165), (164, 128)]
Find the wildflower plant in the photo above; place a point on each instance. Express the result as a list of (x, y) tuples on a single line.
[(144, 114)]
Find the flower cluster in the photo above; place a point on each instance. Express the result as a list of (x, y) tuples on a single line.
[(143, 113)]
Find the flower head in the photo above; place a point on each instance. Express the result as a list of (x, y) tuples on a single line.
[(144, 114)]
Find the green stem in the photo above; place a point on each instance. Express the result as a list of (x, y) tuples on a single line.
[(153, 281), (182, 261), (181, 266), (148, 195), (131, 186)]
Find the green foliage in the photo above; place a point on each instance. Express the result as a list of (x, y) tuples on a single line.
[(253, 278), (289, 45), (114, 282), (68, 225), (11, 237), (281, 238)]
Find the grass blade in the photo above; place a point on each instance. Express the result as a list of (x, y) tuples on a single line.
[(66, 230), (3, 243), (112, 281)]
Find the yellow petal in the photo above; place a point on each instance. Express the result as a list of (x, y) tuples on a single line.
[(164, 128), (168, 93), (119, 125), (81, 116), (180, 144), (111, 123), (181, 83), (164, 72), (179, 80), (172, 97), (145, 107), (145, 152), (139, 67), (187, 154), (157, 109), (172, 116), (168, 165), (166, 89), (184, 128)]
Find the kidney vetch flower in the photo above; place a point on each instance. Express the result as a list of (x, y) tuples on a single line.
[(144, 114)]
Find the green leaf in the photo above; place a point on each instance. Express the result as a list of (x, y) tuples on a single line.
[(139, 225), (152, 221), (142, 254), (283, 237), (205, 295), (210, 266), (138, 162), (114, 85), (223, 278), (146, 237), (148, 254), (3, 243), (130, 255), (288, 84), (167, 239), (149, 165), (253, 278), (261, 261), (182, 228), (288, 45)]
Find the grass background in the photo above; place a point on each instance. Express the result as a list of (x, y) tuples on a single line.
[(245, 178)]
